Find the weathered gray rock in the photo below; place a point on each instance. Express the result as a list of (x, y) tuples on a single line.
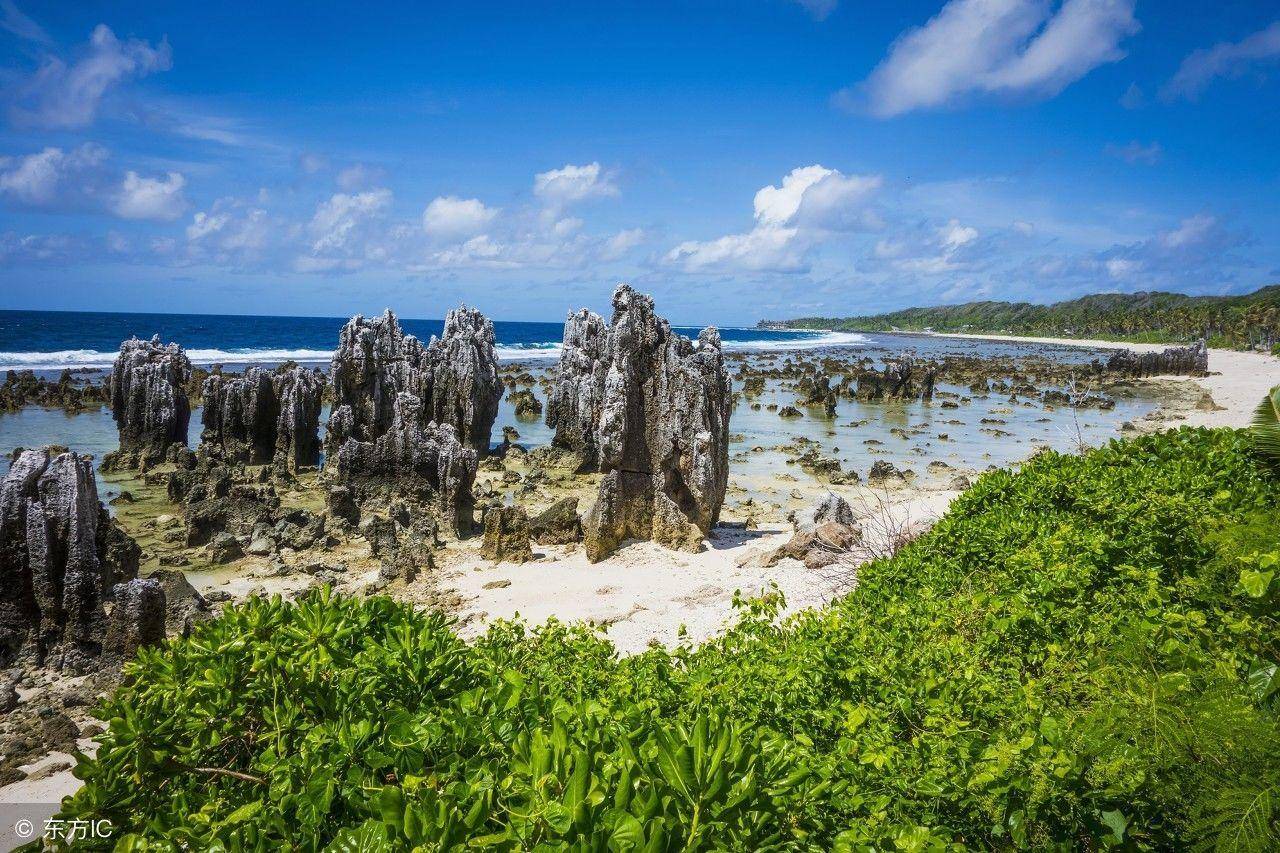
[(558, 524), (455, 378), (577, 393), (1175, 361), (57, 562), (833, 508), (137, 619), (148, 401), (264, 417), (903, 379), (424, 464), (651, 412), (506, 535)]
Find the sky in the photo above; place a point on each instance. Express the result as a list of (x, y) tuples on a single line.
[(738, 160)]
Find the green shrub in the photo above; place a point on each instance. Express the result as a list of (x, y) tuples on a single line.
[(1080, 654)]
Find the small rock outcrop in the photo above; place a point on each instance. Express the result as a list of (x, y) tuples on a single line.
[(506, 535), (825, 535), (60, 559), (137, 618), (264, 417), (558, 524), (903, 379), (650, 410), (1175, 361), (148, 402)]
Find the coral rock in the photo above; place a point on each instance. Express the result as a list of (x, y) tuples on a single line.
[(650, 409), (148, 401), (506, 535), (558, 524), (60, 557), (262, 417)]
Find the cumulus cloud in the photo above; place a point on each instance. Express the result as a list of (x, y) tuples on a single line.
[(151, 198), (1021, 47), (49, 177), (570, 184), (453, 218), (1135, 152), (1225, 59), (808, 201), (61, 95)]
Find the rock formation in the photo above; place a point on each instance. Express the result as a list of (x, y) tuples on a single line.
[(1175, 361), (424, 464), (148, 401), (900, 380), (59, 560), (650, 409), (137, 618), (455, 378), (506, 535), (409, 420), (558, 524), (264, 417)]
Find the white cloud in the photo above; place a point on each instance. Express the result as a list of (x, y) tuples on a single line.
[(622, 242), (953, 235), (1225, 59), (59, 95), (765, 249), (810, 200), (358, 176), (819, 9), (997, 46), (151, 198), (337, 219), (1135, 152), (41, 179), (452, 218), (564, 186), (13, 20), (203, 224)]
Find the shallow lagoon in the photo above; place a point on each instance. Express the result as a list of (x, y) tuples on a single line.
[(966, 445)]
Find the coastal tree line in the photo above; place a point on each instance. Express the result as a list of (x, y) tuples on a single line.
[(1246, 321)]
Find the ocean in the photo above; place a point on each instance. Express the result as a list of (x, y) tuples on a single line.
[(48, 342), (53, 340)]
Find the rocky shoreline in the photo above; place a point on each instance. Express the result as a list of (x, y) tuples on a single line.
[(412, 498)]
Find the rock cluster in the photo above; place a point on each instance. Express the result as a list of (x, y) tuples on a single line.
[(455, 378), (1176, 361), (650, 410), (825, 535), (900, 380), (60, 558), (410, 420), (263, 417), (425, 464), (148, 401), (24, 388)]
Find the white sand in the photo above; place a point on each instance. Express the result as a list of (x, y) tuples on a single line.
[(1237, 382), (646, 593)]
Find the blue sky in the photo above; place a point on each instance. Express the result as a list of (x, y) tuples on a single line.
[(765, 158)]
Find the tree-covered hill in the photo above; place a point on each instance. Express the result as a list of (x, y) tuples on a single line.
[(1239, 321)]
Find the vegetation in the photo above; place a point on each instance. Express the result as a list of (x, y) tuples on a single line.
[(1080, 654), (1265, 427), (1155, 317)]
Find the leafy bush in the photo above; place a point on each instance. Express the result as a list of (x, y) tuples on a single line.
[(1080, 654)]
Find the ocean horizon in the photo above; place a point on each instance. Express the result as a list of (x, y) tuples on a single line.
[(57, 340)]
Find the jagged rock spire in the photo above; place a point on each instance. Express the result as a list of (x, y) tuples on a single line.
[(148, 400), (650, 409), (264, 416)]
